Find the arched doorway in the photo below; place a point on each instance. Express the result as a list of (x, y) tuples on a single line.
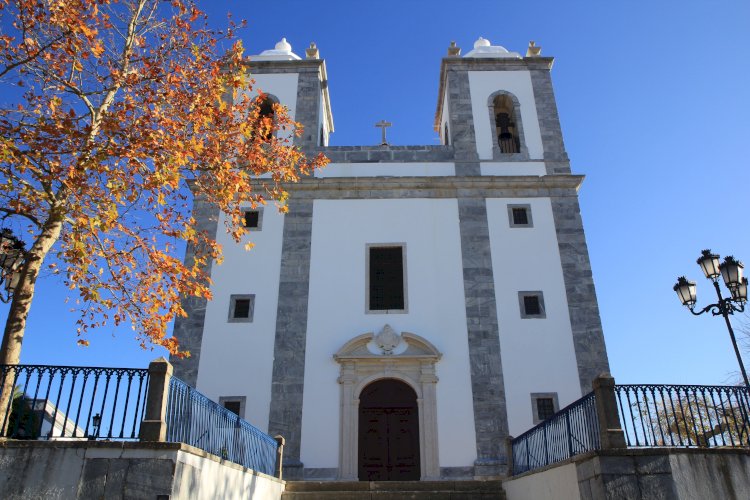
[(388, 432)]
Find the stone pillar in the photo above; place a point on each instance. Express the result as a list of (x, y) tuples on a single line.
[(611, 434), (428, 433), (349, 424), (509, 453), (154, 425), (279, 455)]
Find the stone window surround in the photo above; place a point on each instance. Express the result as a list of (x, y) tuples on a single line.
[(528, 215), (258, 209), (416, 368), (231, 399), (534, 293), (541, 395), (496, 154), (232, 301), (405, 310)]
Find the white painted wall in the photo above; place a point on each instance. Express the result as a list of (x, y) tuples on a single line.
[(556, 483), (387, 170), (537, 354), (513, 168), (237, 358), (484, 83), (336, 313), (284, 87)]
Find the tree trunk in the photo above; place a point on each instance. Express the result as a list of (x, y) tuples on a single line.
[(15, 325)]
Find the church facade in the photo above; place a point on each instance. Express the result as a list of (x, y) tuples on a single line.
[(417, 304)]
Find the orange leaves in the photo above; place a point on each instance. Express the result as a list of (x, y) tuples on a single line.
[(111, 151)]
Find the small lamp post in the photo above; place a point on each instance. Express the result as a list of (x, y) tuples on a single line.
[(11, 256), (731, 273), (96, 420)]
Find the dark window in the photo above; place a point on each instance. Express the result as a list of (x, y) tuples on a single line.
[(386, 278), (520, 216), (233, 406), (266, 116), (531, 305), (545, 408), (251, 218), (242, 308)]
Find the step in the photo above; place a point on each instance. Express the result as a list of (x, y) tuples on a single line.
[(392, 490)]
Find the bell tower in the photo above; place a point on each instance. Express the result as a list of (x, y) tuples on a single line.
[(299, 84)]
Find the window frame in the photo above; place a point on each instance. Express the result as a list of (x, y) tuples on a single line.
[(404, 280), (522, 305), (529, 217), (259, 210), (535, 396), (233, 301)]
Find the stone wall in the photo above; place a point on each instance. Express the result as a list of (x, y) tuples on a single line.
[(66, 470), (640, 474)]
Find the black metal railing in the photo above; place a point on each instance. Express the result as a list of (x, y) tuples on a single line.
[(684, 415), (68, 402), (194, 419), (569, 432)]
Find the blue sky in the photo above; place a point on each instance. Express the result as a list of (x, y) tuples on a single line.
[(654, 100)]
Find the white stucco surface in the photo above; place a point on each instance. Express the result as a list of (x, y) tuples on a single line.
[(556, 483), (281, 85), (513, 168), (384, 169), (484, 83), (537, 353), (237, 358), (436, 311)]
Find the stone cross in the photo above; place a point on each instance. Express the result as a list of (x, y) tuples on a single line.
[(383, 125)]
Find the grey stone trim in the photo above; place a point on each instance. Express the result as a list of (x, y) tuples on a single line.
[(258, 209), (288, 377), (588, 337), (461, 126), (487, 386), (497, 155), (320, 473), (308, 110), (543, 395), (387, 154), (270, 67), (233, 301), (452, 473), (515, 186), (549, 121), (231, 399), (189, 330), (522, 307)]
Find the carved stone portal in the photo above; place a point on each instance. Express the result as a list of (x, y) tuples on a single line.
[(406, 357)]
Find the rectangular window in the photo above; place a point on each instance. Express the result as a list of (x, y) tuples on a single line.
[(386, 283), (520, 216), (531, 304), (241, 308), (543, 405), (253, 218), (235, 404)]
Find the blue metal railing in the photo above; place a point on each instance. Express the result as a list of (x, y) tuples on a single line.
[(194, 419), (684, 415), (569, 432), (53, 402)]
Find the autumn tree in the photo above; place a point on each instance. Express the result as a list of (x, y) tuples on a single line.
[(120, 104)]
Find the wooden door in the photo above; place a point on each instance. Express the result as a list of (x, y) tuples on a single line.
[(388, 432)]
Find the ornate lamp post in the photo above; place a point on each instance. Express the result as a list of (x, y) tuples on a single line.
[(11, 256), (731, 272)]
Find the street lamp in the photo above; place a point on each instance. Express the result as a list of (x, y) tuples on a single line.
[(11, 256), (731, 273), (97, 421)]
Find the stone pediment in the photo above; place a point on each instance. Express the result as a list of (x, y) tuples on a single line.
[(388, 343)]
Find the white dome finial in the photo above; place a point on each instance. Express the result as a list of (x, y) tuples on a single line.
[(481, 42), (283, 46)]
